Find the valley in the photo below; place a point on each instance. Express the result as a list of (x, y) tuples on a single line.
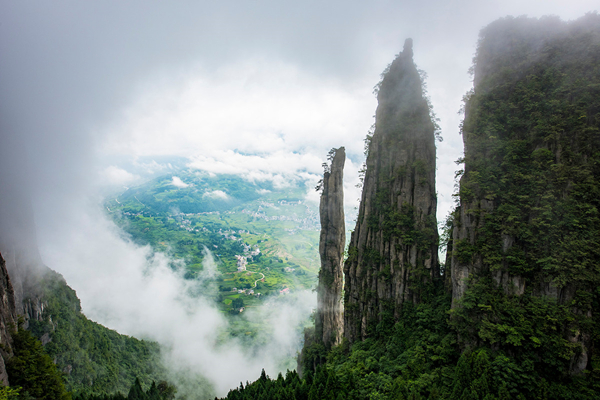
[(263, 239)]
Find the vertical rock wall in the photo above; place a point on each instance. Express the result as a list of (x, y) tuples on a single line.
[(329, 320), (393, 249), (529, 216)]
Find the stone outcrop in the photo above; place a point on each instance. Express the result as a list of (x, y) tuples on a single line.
[(329, 318), (8, 319), (393, 251), (528, 220)]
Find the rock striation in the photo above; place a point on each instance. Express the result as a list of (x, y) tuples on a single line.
[(329, 318), (393, 252)]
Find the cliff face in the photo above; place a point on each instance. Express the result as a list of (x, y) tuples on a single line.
[(8, 319), (329, 320), (528, 224), (393, 249)]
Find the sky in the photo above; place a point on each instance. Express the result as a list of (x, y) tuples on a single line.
[(258, 88)]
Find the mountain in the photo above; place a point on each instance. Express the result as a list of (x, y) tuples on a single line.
[(93, 358), (329, 317), (513, 314), (526, 236)]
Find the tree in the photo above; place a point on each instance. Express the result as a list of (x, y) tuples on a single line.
[(8, 393), (32, 369), (237, 303), (136, 392), (167, 392)]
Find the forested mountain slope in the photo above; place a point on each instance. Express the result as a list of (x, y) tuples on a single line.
[(93, 358)]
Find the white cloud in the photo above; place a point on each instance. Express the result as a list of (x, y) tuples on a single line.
[(255, 106), (216, 194), (177, 182), (113, 175), (137, 293)]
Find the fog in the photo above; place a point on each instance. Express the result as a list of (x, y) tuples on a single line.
[(262, 89)]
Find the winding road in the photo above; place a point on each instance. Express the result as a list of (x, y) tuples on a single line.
[(256, 281)]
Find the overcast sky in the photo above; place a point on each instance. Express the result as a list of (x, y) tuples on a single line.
[(220, 81), (258, 88)]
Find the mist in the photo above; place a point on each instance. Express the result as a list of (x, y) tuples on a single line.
[(144, 294), (258, 89)]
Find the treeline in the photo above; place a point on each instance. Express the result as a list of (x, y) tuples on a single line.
[(33, 375), (162, 391), (31, 372), (322, 385)]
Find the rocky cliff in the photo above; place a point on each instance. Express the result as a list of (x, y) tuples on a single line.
[(329, 318), (528, 225), (8, 319), (393, 250)]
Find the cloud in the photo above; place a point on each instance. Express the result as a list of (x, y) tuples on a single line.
[(255, 106), (138, 293), (177, 182), (216, 194), (113, 175)]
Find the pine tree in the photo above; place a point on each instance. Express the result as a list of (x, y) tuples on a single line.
[(136, 392)]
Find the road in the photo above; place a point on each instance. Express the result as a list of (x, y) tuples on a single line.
[(256, 281)]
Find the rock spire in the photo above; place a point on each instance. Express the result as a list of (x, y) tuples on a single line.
[(329, 320), (393, 249), (8, 319)]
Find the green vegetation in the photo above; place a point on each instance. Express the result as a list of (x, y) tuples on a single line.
[(534, 140), (271, 229), (93, 358), (162, 391), (419, 357), (533, 157), (31, 371)]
